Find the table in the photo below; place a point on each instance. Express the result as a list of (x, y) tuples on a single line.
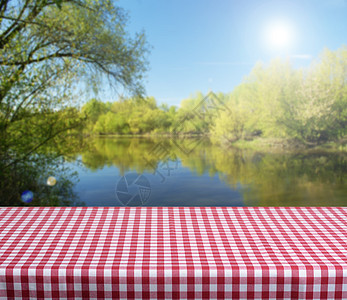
[(173, 252)]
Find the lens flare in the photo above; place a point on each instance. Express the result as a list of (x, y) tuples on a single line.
[(27, 196), (51, 181)]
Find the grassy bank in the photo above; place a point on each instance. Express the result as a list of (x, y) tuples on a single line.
[(287, 145)]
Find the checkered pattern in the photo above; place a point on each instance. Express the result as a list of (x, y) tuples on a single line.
[(172, 253)]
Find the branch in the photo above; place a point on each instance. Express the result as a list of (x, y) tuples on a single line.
[(20, 24), (12, 30), (11, 81), (24, 21), (36, 60), (40, 145), (3, 7), (13, 118)]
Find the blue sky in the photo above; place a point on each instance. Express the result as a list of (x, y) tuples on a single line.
[(202, 45)]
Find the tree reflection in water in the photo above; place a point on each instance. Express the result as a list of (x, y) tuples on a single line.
[(263, 179)]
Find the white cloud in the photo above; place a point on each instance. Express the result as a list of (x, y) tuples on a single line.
[(221, 63), (302, 56)]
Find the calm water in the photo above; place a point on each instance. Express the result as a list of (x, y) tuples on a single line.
[(194, 172)]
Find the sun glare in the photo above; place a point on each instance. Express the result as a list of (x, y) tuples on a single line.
[(279, 36)]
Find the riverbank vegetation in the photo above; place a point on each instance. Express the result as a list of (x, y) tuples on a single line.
[(307, 107), (49, 52)]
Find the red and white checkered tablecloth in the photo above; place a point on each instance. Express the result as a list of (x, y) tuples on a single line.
[(172, 253)]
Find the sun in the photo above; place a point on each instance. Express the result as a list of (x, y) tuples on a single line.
[(279, 35)]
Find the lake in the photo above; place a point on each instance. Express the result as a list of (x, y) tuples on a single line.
[(195, 172)]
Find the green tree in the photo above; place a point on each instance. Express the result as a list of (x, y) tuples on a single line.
[(309, 105), (192, 116), (230, 126), (92, 110), (269, 86), (317, 112), (240, 119), (45, 53)]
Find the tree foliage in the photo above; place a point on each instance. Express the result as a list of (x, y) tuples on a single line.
[(275, 101), (129, 116), (47, 50), (309, 105), (317, 111)]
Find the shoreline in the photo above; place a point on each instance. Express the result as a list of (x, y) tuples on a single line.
[(258, 144), (289, 145)]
